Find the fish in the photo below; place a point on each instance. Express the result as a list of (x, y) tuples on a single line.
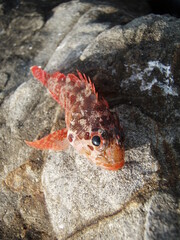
[(91, 127)]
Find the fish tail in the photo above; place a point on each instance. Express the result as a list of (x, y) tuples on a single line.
[(53, 82), (40, 74)]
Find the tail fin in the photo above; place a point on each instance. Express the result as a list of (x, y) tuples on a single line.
[(53, 82), (40, 74)]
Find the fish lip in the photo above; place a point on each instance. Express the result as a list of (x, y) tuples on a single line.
[(117, 159), (113, 167), (114, 164)]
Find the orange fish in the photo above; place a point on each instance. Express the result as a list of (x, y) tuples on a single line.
[(91, 128)]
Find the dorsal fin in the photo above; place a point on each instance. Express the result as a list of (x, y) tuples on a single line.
[(47, 80), (87, 81)]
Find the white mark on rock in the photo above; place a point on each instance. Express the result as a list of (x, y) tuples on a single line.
[(147, 86), (141, 75)]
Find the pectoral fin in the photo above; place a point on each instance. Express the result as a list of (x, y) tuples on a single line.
[(56, 141)]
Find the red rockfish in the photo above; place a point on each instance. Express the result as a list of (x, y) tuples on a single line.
[(91, 128)]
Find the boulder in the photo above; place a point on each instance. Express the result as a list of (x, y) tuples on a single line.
[(133, 61)]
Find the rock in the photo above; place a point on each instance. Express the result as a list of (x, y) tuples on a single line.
[(137, 69), (82, 189), (158, 225), (4, 80), (137, 221), (135, 65)]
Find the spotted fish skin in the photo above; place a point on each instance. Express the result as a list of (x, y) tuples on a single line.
[(91, 128)]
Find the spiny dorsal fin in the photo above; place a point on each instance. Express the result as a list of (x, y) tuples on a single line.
[(45, 77)]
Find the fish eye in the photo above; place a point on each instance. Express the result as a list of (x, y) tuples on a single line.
[(96, 140)]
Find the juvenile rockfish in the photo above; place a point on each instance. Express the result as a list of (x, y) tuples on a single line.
[(91, 128)]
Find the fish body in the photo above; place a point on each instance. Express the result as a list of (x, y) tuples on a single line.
[(91, 128)]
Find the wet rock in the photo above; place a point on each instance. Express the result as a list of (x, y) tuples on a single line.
[(135, 65)]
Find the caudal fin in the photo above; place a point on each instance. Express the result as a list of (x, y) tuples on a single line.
[(40, 74), (53, 82)]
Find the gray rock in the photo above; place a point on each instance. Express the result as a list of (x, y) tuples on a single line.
[(161, 218), (135, 65), (128, 54), (83, 193), (3, 80)]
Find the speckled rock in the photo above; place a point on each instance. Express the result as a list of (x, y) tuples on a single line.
[(143, 58), (61, 195)]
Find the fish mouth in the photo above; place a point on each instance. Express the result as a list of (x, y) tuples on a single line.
[(113, 167), (112, 159)]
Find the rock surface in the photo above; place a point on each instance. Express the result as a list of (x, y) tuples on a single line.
[(134, 62)]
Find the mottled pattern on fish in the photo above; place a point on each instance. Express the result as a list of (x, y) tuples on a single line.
[(91, 128)]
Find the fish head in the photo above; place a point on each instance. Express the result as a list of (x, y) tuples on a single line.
[(107, 148), (102, 141)]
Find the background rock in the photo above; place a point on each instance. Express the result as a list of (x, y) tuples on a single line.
[(135, 65)]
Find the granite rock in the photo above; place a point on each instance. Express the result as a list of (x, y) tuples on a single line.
[(134, 62)]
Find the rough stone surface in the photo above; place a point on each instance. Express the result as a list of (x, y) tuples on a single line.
[(99, 193), (134, 62)]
